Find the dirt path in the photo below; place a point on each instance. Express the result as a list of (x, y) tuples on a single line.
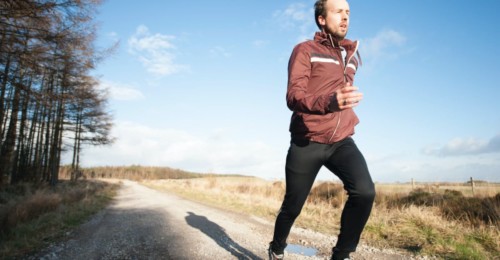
[(143, 223)]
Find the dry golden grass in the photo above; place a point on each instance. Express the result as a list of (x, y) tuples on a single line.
[(418, 229), (33, 215), (480, 189), (245, 193), (33, 206)]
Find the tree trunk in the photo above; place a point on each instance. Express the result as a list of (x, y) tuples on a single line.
[(2, 94), (56, 142), (19, 163), (10, 140)]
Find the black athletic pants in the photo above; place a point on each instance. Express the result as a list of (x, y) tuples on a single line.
[(303, 163)]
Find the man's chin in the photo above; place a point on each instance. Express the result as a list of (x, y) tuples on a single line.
[(338, 35)]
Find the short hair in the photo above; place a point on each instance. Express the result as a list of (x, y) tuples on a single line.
[(319, 10)]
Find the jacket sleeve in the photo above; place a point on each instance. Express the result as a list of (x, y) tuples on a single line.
[(298, 98)]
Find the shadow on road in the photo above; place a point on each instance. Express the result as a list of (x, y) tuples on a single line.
[(218, 234)]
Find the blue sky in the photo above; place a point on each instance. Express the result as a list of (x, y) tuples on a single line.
[(200, 86)]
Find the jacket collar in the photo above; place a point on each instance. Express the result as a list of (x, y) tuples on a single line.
[(325, 39)]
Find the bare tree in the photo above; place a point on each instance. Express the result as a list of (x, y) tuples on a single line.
[(46, 91)]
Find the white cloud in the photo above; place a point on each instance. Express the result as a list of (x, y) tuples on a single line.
[(218, 52), (387, 44), (299, 17), (465, 146), (296, 12), (457, 160), (113, 35), (120, 91), (259, 43), (435, 169), (156, 52), (216, 152)]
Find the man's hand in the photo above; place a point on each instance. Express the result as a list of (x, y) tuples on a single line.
[(348, 96)]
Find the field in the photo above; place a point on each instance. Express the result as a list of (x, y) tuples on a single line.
[(442, 220)]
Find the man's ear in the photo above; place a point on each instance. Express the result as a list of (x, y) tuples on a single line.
[(321, 20)]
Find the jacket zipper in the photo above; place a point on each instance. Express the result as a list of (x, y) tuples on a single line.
[(345, 81), (349, 59)]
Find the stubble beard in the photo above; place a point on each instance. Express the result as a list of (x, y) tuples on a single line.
[(337, 34)]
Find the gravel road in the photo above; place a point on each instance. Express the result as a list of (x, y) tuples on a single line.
[(142, 223)]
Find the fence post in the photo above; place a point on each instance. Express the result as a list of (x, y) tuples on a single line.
[(412, 183), (472, 186)]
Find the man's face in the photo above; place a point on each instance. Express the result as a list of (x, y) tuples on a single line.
[(336, 21)]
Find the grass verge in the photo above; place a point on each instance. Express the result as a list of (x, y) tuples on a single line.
[(32, 217)]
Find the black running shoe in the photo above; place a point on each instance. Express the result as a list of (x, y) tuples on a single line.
[(273, 255), (340, 255)]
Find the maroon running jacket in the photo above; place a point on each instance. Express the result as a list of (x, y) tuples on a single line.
[(316, 70)]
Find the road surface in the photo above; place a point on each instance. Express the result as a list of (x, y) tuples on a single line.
[(142, 223)]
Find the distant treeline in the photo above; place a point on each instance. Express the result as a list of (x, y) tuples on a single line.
[(49, 101), (136, 172)]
